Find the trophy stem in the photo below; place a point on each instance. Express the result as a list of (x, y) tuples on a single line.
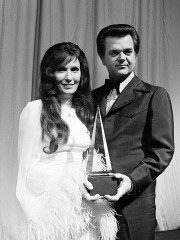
[(108, 162)]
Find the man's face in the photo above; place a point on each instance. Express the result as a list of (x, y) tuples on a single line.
[(120, 57)]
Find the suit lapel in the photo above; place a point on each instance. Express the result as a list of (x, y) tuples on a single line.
[(102, 105), (129, 93), (100, 99)]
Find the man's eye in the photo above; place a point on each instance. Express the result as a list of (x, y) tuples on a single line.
[(128, 52), (114, 53)]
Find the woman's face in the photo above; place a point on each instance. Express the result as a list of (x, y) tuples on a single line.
[(68, 77)]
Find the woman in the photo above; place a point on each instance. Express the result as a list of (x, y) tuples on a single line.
[(54, 133)]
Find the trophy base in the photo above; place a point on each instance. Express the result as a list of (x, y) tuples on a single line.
[(103, 184)]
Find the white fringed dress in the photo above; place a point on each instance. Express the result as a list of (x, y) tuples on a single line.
[(49, 186)]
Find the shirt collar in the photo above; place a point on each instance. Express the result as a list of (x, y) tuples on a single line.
[(113, 94), (123, 84)]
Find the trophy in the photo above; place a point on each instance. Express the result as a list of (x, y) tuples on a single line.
[(98, 168)]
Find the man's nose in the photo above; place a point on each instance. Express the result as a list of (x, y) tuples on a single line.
[(121, 57)]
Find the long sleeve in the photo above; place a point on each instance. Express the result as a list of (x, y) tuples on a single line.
[(29, 151), (159, 147)]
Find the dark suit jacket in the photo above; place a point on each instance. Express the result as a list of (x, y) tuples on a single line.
[(139, 133)]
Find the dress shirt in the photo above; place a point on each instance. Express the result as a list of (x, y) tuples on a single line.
[(111, 98)]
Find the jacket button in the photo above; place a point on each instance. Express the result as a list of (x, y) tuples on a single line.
[(131, 114)]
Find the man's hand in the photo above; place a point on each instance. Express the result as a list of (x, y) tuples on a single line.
[(85, 194), (124, 187)]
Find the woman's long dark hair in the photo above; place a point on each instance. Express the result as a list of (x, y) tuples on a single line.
[(51, 122)]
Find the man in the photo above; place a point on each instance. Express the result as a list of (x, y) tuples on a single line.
[(138, 124)]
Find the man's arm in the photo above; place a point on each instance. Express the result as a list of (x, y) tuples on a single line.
[(159, 148)]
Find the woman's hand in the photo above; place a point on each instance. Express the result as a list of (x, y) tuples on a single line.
[(85, 194)]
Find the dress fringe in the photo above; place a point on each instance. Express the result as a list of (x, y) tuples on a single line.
[(103, 219), (61, 213)]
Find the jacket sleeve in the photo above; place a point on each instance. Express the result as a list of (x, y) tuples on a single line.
[(159, 148)]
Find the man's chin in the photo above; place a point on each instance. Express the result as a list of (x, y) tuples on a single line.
[(120, 74)]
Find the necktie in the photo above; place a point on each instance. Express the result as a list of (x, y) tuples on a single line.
[(110, 85)]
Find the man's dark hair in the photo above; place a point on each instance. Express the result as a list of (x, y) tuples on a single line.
[(116, 30)]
